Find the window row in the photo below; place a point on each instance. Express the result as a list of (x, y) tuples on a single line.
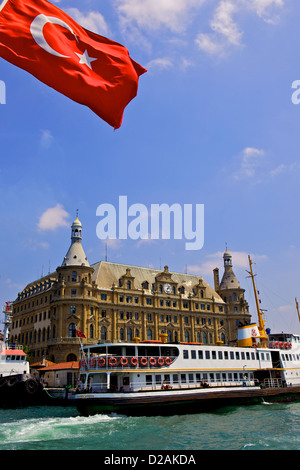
[(220, 355)]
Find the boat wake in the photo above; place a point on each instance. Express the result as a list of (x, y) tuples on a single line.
[(49, 429)]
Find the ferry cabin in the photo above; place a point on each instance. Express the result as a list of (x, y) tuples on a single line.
[(13, 361), (128, 367)]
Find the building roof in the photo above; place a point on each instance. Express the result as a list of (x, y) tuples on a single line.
[(106, 274), (62, 366)]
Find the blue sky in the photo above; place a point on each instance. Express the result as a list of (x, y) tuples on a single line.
[(213, 123)]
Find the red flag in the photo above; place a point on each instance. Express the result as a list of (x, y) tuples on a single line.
[(80, 334), (90, 69)]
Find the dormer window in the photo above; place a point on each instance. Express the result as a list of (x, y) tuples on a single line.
[(74, 276)]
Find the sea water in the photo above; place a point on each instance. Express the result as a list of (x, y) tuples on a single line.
[(257, 427)]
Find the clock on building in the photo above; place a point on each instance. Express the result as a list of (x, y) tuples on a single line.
[(167, 288)]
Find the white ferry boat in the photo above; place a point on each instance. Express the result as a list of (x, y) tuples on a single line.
[(17, 386), (158, 377)]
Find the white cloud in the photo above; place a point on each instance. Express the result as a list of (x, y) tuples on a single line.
[(46, 138), (53, 218), (226, 32), (223, 24), (92, 21), (251, 159), (154, 14), (160, 63)]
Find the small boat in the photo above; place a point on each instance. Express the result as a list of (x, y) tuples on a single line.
[(17, 386), (147, 378)]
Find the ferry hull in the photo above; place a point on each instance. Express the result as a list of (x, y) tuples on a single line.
[(19, 390), (181, 403)]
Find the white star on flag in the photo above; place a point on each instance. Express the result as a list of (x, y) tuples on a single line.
[(85, 59)]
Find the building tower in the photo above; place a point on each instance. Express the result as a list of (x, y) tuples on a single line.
[(232, 293), (73, 303)]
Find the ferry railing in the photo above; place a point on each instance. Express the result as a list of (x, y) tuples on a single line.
[(272, 383), (101, 387)]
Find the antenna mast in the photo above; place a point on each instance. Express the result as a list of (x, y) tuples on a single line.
[(297, 307), (261, 324)]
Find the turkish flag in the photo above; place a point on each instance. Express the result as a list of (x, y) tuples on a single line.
[(80, 334), (90, 69)]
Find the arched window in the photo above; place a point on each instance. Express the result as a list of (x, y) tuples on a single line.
[(74, 276), (198, 338), (128, 285), (129, 334), (103, 333), (122, 334), (91, 331), (223, 337), (186, 336), (71, 357), (169, 339), (149, 334), (72, 330), (204, 338)]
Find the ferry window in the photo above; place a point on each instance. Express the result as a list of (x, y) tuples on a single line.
[(235, 377), (185, 354), (175, 378), (200, 354), (167, 378), (218, 377), (223, 376), (220, 354), (191, 377), (214, 355), (183, 378), (237, 355), (248, 355), (230, 377), (207, 355), (267, 356), (253, 356), (148, 379), (211, 377), (193, 353), (158, 379), (13, 358), (198, 378), (262, 356), (231, 355), (243, 355), (226, 355)]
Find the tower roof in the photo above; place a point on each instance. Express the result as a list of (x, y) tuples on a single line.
[(75, 255), (229, 280)]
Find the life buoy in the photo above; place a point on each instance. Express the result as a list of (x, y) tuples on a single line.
[(101, 362), (281, 344), (112, 361), (92, 362), (290, 345), (276, 344), (83, 363), (254, 345), (143, 361), (160, 361), (152, 361), (134, 361), (286, 345), (168, 361), (124, 361)]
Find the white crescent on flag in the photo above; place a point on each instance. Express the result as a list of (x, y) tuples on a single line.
[(36, 29)]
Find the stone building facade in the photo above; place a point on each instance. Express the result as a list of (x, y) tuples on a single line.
[(111, 302)]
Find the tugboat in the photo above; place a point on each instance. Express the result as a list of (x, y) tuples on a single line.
[(162, 378), (18, 388)]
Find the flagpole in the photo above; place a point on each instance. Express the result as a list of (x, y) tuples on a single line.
[(81, 346)]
